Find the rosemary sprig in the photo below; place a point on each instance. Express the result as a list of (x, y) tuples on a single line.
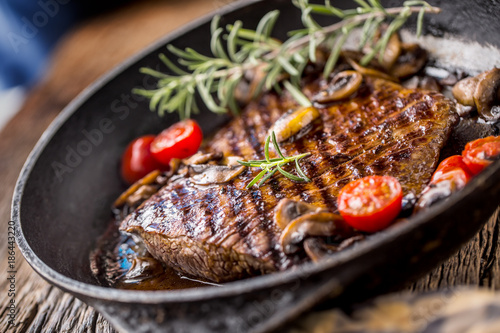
[(236, 52), (270, 166)]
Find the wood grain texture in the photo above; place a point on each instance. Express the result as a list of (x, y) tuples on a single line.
[(86, 53)]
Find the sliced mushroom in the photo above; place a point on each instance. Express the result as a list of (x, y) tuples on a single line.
[(313, 224), (343, 85), (426, 82), (370, 71), (150, 178), (316, 248), (487, 93), (232, 160), (429, 83), (392, 51), (208, 174), (464, 90), (142, 194), (482, 91), (410, 62), (288, 210), (294, 123), (247, 87), (202, 158), (411, 83), (435, 193)]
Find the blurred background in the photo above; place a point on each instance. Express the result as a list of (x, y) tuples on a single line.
[(30, 30), (33, 32)]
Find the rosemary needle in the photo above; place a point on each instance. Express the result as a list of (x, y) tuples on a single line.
[(270, 166)]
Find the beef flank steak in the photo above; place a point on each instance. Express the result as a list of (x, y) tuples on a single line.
[(225, 232)]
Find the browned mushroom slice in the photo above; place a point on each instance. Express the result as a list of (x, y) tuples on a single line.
[(429, 83), (288, 210), (208, 174), (426, 82), (142, 194), (202, 158), (294, 122), (343, 85), (392, 51), (146, 180), (435, 193), (410, 62), (486, 95), (316, 248), (232, 160), (464, 90), (370, 71), (248, 86), (313, 224)]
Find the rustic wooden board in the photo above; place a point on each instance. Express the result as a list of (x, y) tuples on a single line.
[(86, 53)]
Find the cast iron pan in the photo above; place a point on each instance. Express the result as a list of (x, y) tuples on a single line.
[(62, 202)]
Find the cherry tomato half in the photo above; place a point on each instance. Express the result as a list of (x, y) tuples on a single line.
[(371, 203), (137, 160), (480, 153), (452, 168), (180, 140)]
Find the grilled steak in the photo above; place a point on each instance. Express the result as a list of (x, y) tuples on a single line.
[(224, 232)]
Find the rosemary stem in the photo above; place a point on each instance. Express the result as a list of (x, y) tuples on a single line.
[(297, 44), (286, 160)]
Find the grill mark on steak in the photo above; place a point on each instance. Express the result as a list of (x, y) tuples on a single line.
[(251, 135), (225, 232), (264, 226)]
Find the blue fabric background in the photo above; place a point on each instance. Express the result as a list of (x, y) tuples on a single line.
[(29, 29)]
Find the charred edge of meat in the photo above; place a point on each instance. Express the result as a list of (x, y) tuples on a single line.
[(222, 265)]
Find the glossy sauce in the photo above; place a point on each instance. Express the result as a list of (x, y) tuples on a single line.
[(119, 261)]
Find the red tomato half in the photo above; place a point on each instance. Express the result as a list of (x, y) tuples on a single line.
[(137, 160), (180, 140), (480, 153), (371, 203), (452, 168)]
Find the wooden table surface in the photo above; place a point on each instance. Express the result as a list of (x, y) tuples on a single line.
[(84, 54)]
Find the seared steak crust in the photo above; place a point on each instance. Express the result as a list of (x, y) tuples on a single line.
[(225, 232)]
